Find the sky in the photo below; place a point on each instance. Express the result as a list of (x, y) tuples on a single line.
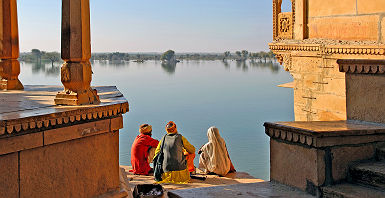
[(154, 25)]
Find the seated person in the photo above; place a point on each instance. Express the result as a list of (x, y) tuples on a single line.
[(178, 156), (214, 156), (143, 150)]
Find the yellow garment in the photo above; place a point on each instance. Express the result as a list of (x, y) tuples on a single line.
[(177, 177), (187, 146)]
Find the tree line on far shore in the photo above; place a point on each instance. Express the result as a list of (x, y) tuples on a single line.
[(39, 56)]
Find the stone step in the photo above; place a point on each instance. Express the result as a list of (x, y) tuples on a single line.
[(369, 173), (347, 190), (380, 154)]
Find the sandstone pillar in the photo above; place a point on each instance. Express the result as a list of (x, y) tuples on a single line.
[(76, 72), (9, 46)]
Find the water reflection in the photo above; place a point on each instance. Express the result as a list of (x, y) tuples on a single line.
[(226, 64), (54, 69), (169, 67), (113, 63), (273, 66), (49, 69)]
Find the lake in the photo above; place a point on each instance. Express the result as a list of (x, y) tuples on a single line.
[(235, 97)]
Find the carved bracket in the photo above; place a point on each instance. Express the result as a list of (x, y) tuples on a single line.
[(359, 66), (285, 61)]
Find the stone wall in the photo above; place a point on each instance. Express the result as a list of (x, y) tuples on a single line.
[(81, 160), (347, 19), (319, 86), (319, 92)]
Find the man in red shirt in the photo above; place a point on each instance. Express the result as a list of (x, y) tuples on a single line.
[(142, 151)]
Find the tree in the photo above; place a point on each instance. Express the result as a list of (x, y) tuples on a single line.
[(238, 53), (245, 54), (168, 56), (53, 56), (37, 54), (226, 54)]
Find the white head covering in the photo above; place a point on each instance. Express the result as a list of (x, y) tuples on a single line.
[(214, 153)]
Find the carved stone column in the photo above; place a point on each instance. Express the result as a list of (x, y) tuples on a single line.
[(9, 46), (76, 72)]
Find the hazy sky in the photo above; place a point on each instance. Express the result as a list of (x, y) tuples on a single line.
[(154, 25)]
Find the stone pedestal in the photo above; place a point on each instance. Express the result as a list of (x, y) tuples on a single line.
[(309, 155), (9, 72), (60, 151)]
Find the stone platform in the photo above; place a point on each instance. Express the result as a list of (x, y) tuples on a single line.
[(239, 184), (312, 155), (59, 151)]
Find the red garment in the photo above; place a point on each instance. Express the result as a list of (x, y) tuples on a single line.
[(139, 154)]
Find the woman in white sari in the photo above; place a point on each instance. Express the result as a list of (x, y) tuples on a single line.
[(214, 157)]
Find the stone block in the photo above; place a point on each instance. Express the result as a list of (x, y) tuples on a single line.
[(329, 116), (320, 8), (76, 131), (383, 29), (19, 143), (9, 185), (84, 167), (344, 156), (329, 102), (345, 28), (365, 95), (116, 123), (296, 165), (335, 86), (299, 114), (368, 7)]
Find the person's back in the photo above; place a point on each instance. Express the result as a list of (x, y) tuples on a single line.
[(176, 164), (174, 159), (141, 151), (214, 155)]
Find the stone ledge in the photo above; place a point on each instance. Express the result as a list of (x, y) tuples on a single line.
[(326, 133), (361, 66), (33, 109), (328, 48)]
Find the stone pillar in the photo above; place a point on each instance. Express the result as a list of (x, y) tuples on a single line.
[(76, 72), (9, 46)]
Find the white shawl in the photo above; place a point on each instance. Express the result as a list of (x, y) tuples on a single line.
[(214, 157)]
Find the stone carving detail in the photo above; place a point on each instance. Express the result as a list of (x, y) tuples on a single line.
[(31, 123), (370, 50), (362, 66), (289, 136), (283, 23), (285, 61)]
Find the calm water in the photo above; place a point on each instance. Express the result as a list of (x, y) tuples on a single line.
[(237, 98)]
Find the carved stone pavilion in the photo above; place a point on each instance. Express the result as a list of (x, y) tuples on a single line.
[(55, 142), (335, 51)]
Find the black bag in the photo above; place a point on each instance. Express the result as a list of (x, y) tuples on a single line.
[(158, 162)]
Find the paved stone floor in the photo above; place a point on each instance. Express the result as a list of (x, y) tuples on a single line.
[(246, 190), (237, 184)]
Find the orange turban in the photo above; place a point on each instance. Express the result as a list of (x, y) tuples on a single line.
[(145, 128), (171, 127)]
